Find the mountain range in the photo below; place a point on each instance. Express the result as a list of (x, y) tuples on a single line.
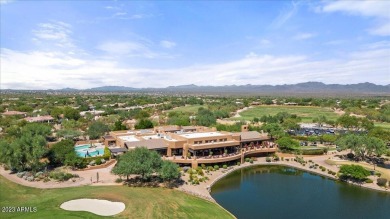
[(300, 88)]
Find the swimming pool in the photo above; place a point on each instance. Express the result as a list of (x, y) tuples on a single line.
[(86, 150)]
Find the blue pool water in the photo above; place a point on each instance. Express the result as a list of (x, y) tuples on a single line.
[(81, 151)]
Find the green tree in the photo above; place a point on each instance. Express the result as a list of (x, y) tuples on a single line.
[(375, 146), (119, 126), (205, 117), (329, 138), (56, 112), (68, 133), (320, 120), (37, 129), (287, 143), (366, 124), (24, 153), (144, 124), (142, 115), (70, 113), (97, 129), (169, 171), (362, 145), (73, 160), (380, 133), (274, 130), (291, 123), (139, 161), (347, 121), (58, 152), (354, 172)]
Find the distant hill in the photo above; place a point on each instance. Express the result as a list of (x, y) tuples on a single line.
[(314, 88), (111, 89), (308, 88)]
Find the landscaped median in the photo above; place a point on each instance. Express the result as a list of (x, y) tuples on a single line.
[(139, 202)]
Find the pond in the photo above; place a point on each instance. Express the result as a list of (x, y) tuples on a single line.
[(285, 192)]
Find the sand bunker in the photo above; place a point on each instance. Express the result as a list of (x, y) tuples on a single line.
[(96, 206)]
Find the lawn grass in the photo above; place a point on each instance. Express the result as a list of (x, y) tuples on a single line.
[(384, 125), (140, 202), (188, 109), (307, 113)]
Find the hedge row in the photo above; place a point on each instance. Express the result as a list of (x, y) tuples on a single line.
[(316, 151)]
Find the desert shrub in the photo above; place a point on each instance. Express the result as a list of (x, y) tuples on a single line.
[(378, 174), (282, 158), (247, 159), (20, 174), (210, 168), (98, 161), (107, 153), (216, 167), (369, 181), (350, 155), (238, 163), (30, 178), (251, 160), (381, 181), (38, 174), (224, 166), (316, 151), (195, 181), (60, 176), (199, 171), (203, 166), (268, 159)]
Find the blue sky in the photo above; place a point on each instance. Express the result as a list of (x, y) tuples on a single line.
[(83, 44)]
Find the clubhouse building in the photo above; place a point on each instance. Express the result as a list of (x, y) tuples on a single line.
[(193, 145)]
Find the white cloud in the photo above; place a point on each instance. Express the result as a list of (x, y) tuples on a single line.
[(118, 14), (285, 15), (167, 44), (127, 48), (335, 42), (304, 36), (265, 42), (38, 70), (112, 8), (56, 32), (380, 10), (140, 16), (125, 16)]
